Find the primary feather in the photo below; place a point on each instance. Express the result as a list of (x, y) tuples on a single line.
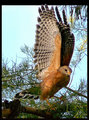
[(67, 46)]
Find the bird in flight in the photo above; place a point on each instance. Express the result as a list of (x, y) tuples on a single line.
[(53, 49)]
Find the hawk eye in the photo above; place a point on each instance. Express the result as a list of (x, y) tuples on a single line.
[(66, 70)]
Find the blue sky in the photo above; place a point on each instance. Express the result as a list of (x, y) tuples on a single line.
[(18, 28)]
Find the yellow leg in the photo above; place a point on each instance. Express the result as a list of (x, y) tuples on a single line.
[(50, 105), (48, 102)]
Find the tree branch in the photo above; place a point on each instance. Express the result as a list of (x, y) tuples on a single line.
[(13, 108), (39, 112)]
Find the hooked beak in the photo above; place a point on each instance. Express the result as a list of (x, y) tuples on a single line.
[(69, 73)]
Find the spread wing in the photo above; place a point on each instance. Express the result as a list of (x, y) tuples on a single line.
[(48, 43), (67, 39), (54, 42)]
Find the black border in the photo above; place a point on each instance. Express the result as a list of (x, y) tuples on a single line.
[(38, 2)]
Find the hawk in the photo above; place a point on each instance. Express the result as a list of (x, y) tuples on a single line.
[(53, 51)]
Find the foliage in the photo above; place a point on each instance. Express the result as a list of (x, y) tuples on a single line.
[(70, 106)]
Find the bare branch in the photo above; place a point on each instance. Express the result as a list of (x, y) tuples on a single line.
[(76, 92)]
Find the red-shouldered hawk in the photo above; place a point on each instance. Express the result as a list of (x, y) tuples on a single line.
[(53, 51)]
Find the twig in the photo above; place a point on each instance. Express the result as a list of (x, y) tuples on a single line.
[(76, 92)]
